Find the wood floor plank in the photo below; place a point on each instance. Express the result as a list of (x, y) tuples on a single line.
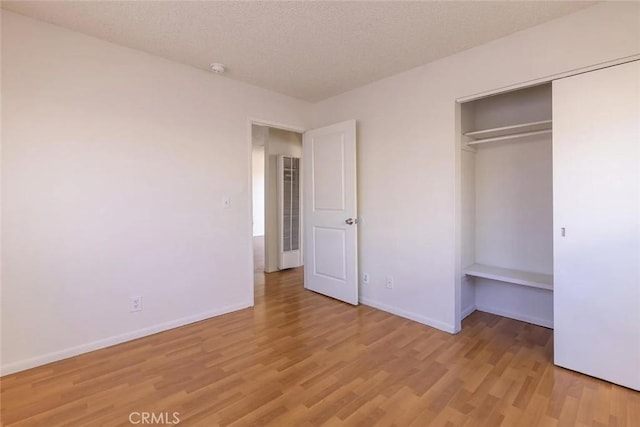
[(300, 359)]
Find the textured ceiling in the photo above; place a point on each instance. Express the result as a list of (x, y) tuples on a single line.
[(308, 50)]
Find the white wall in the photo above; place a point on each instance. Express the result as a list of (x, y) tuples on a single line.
[(257, 180), (514, 213), (279, 142), (409, 170), (114, 167)]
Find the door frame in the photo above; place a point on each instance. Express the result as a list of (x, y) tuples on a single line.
[(260, 122)]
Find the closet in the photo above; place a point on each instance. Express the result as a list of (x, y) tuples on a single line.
[(507, 205), (550, 215)]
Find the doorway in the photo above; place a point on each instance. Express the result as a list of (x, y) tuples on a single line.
[(276, 198), (323, 161)]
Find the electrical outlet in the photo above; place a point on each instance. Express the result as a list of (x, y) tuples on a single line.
[(389, 282), (365, 278), (135, 304)]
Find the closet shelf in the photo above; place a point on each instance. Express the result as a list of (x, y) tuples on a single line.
[(509, 132), (517, 277)]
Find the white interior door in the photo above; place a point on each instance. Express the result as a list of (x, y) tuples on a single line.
[(596, 168), (330, 211)]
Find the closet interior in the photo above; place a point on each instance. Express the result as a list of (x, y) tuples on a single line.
[(506, 206)]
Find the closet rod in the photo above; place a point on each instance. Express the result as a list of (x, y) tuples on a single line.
[(512, 136)]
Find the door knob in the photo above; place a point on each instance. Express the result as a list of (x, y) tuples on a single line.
[(350, 221)]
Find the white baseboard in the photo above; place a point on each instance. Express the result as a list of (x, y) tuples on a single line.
[(409, 315), (467, 311), (117, 339), (547, 323)]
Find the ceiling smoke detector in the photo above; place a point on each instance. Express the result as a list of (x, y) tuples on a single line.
[(217, 68)]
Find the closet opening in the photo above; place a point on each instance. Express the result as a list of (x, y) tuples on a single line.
[(506, 215)]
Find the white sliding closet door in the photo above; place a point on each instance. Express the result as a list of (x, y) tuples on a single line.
[(596, 167)]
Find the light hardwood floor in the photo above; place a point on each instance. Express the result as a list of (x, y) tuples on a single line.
[(300, 359)]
